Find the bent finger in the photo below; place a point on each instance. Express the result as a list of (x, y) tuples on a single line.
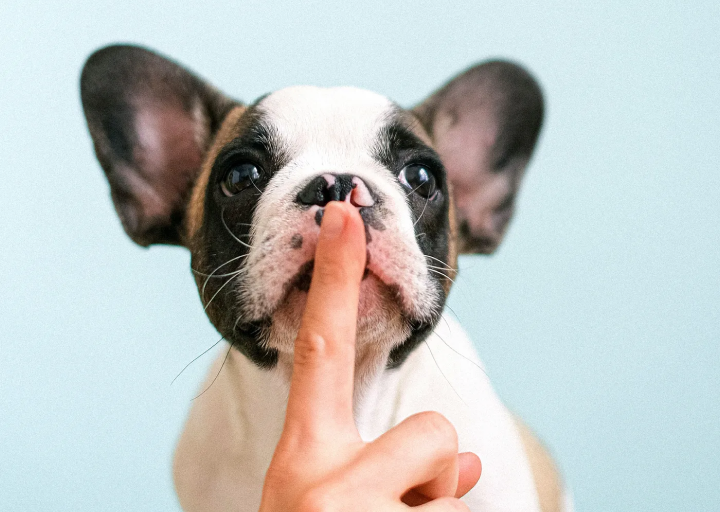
[(420, 452), (469, 470)]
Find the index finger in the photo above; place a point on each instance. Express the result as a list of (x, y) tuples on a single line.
[(321, 388)]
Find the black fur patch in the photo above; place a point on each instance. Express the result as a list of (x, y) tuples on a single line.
[(396, 148), (221, 241), (302, 279), (296, 241)]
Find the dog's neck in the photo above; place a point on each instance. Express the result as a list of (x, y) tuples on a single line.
[(239, 389), (370, 365), (247, 389)]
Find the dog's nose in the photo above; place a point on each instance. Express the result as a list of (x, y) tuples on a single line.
[(336, 187)]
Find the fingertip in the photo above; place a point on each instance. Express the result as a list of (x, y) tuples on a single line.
[(339, 217), (333, 221), (342, 235), (470, 469)]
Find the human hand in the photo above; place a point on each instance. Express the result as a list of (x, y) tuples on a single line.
[(320, 462)]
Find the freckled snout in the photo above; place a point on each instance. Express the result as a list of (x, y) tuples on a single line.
[(322, 189)]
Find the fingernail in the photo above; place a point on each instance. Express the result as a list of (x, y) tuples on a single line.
[(333, 222)]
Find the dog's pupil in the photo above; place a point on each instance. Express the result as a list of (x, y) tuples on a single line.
[(420, 180), (239, 178)]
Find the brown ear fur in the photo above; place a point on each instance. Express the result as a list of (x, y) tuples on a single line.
[(484, 124), (151, 122)]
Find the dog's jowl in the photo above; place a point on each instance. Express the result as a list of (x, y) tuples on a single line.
[(244, 187)]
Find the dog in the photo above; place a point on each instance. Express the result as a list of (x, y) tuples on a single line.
[(244, 186)]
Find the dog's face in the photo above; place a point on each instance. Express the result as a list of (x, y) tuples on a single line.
[(244, 188), (258, 205)]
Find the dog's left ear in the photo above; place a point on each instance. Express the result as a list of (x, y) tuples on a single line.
[(152, 122), (484, 124)]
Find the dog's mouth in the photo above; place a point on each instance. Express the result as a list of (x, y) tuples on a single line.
[(372, 282), (379, 312)]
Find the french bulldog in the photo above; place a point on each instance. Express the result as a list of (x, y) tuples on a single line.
[(243, 187)]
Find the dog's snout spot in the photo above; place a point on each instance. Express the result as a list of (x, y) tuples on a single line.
[(304, 277), (368, 236), (296, 241), (372, 217), (319, 215)]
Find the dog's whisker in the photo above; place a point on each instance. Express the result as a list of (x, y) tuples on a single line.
[(441, 274), (443, 374), (461, 354), (444, 269), (207, 280), (427, 200), (236, 322), (413, 190), (445, 320), (256, 187), (222, 218), (219, 267), (216, 376), (445, 272), (219, 290), (440, 261), (202, 292), (196, 358), (452, 311), (209, 276)]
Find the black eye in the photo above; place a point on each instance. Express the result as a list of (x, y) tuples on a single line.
[(418, 179), (239, 178)]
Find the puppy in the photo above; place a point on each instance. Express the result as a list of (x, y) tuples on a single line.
[(244, 187)]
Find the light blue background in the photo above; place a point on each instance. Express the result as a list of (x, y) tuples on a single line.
[(598, 320)]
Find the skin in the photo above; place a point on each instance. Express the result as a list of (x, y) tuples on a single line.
[(321, 463)]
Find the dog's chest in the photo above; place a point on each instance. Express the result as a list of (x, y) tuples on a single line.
[(232, 430)]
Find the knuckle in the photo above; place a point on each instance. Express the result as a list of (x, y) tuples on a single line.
[(309, 346), (438, 427)]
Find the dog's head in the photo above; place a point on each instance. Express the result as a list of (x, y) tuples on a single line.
[(243, 187)]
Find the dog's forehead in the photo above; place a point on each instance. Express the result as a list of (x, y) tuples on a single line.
[(308, 116)]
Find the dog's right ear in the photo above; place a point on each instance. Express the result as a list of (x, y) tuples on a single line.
[(151, 122)]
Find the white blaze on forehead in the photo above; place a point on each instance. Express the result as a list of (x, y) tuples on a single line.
[(322, 130), (332, 122)]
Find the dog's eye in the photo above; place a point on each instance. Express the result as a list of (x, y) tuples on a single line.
[(418, 179), (239, 178)]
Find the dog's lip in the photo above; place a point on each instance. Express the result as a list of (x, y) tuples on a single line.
[(250, 328), (308, 273), (305, 273)]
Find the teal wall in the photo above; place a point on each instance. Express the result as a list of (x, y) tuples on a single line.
[(598, 320)]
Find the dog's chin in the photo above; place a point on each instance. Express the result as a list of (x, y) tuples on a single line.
[(381, 324)]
